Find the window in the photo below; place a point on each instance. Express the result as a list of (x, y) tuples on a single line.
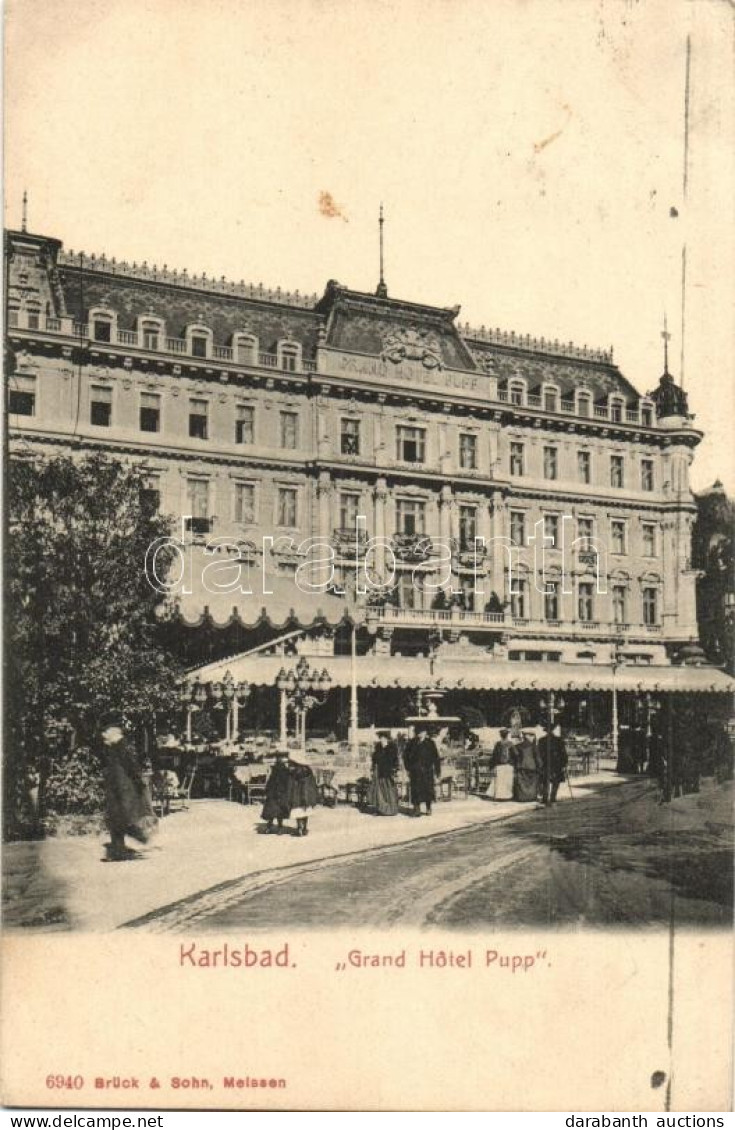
[(350, 437), (245, 351), (519, 598), (650, 606), (198, 419), (468, 452), (619, 604), (648, 532), (468, 594), (244, 503), (289, 430), (244, 423), (408, 594), (516, 459), (647, 416), (22, 396), (551, 600), (551, 400), (410, 516), (198, 345), (411, 444), (584, 466), (646, 474), (617, 533), (585, 532), (289, 357), (518, 527), (617, 478), (516, 393), (287, 506), (150, 500), (616, 411), (34, 317), (585, 602), (551, 457), (349, 507), (551, 530), (151, 331), (102, 329), (467, 527), (150, 412), (198, 502), (100, 406), (584, 404)]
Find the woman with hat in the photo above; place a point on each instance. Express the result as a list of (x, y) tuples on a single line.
[(303, 794), (128, 805), (277, 791), (383, 792)]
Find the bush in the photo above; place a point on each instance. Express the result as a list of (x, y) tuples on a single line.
[(75, 784)]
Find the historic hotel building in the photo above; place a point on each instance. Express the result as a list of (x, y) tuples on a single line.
[(264, 414)]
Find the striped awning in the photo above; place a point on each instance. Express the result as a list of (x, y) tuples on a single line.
[(473, 674)]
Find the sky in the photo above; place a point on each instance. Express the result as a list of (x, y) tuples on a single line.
[(528, 154)]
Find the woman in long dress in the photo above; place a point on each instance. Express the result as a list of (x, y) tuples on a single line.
[(525, 786), (277, 791), (383, 792), (501, 787)]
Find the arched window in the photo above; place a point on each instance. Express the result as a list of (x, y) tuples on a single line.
[(289, 356), (616, 409), (517, 391), (245, 348), (102, 324), (150, 332), (584, 404), (551, 398), (199, 340)]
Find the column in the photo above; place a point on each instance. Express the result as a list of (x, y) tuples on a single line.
[(320, 570), (446, 505), (499, 560), (380, 495)]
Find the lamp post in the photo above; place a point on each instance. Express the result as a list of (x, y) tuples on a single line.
[(304, 687), (616, 661), (553, 706)]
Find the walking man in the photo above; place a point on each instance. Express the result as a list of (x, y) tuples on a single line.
[(552, 764)]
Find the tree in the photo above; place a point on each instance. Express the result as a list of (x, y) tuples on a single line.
[(82, 635)]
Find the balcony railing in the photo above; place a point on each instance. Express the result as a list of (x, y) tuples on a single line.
[(66, 326)]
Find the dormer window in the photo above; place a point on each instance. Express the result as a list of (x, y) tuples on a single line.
[(199, 341), (551, 400), (102, 324), (647, 415), (150, 331), (289, 356), (584, 404), (517, 391), (245, 348), (616, 409)]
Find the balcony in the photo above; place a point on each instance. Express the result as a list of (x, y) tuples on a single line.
[(177, 347), (432, 617)]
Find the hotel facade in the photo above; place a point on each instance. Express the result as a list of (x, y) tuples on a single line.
[(530, 507)]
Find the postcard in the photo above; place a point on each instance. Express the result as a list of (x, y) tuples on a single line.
[(368, 555)]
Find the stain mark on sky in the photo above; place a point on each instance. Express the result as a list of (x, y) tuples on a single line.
[(329, 207), (539, 145)]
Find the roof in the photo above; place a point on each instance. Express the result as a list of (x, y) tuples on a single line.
[(180, 306), (469, 674), (274, 600)]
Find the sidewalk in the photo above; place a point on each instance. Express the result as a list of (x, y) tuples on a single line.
[(61, 884)]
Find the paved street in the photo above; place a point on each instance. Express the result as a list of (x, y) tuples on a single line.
[(615, 857)]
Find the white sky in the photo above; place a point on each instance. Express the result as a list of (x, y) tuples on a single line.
[(200, 133)]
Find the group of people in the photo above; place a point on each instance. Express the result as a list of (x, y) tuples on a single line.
[(291, 792), (526, 770), (422, 764)]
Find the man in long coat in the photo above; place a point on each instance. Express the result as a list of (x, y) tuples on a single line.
[(552, 762), (421, 759), (128, 805), (277, 793)]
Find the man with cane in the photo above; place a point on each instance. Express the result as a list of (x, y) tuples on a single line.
[(552, 763)]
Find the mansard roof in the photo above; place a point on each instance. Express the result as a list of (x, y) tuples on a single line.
[(180, 306), (372, 324)]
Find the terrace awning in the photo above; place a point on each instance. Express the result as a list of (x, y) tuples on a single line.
[(273, 600), (457, 674)]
